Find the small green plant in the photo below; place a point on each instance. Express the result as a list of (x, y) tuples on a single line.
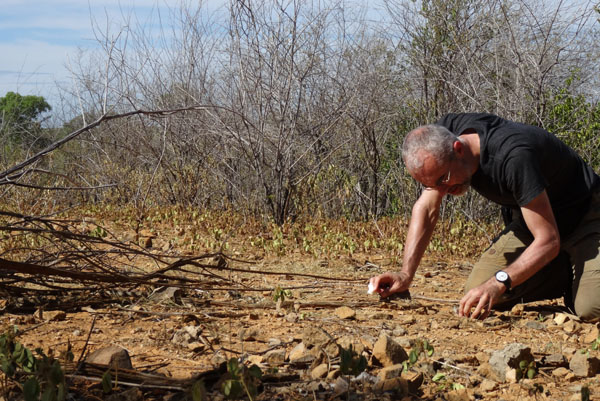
[(42, 376), (422, 347), (444, 383), (585, 393), (281, 294), (351, 363), (596, 344), (198, 391), (526, 369), (241, 380)]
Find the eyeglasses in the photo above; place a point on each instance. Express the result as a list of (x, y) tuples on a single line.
[(443, 180)]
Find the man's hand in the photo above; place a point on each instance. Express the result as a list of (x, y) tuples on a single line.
[(482, 298), (387, 284)]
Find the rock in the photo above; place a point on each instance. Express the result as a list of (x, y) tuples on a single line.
[(389, 372), (571, 327), (583, 365), (320, 371), (334, 374), (274, 357), (487, 385), (340, 386), (300, 355), (555, 360), (344, 312), (255, 359), (533, 324), (315, 336), (511, 375), (560, 372), (346, 342), (518, 309), (168, 294), (509, 358), (592, 335), (414, 379), (396, 385), (249, 334), (388, 352), (186, 335), (112, 356), (458, 395)]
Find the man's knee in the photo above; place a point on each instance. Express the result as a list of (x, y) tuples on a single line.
[(588, 308)]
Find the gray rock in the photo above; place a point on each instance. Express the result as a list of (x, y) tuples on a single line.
[(112, 356), (509, 358), (583, 365)]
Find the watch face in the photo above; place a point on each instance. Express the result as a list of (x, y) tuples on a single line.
[(501, 276)]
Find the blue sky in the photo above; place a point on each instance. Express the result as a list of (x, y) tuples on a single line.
[(38, 36)]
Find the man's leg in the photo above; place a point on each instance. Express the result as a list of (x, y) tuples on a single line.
[(548, 283), (585, 257)]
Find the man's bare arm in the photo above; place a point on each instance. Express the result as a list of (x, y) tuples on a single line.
[(423, 219), (540, 220)]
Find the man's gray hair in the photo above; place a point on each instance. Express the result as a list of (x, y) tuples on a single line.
[(434, 139)]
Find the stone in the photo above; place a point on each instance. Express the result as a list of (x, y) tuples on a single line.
[(414, 380), (274, 357), (249, 334), (344, 312), (518, 309), (592, 335), (314, 336), (334, 374), (458, 395), (320, 371), (560, 318), (112, 356), (340, 386), (168, 294), (583, 365), (388, 352), (301, 355), (389, 372), (534, 324), (346, 342), (487, 385), (508, 358), (396, 385), (55, 316), (571, 327), (560, 372), (555, 360)]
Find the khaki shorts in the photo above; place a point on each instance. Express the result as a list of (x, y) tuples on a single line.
[(574, 274)]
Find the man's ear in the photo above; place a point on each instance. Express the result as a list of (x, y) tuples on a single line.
[(458, 147)]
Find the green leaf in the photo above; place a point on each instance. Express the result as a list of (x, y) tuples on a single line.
[(531, 373), (255, 371), (413, 357), (438, 377), (199, 391), (31, 389), (49, 394), (523, 365), (457, 386), (106, 382)]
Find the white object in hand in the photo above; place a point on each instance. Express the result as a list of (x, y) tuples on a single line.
[(371, 288)]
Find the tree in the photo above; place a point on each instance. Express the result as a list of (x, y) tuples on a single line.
[(19, 118)]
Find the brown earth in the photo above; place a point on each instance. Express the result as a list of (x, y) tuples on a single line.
[(250, 325)]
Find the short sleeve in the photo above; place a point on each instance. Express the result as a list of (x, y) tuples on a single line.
[(523, 175)]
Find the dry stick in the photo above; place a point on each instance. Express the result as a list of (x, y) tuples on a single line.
[(87, 341)]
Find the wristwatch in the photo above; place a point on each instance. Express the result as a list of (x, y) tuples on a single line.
[(504, 278)]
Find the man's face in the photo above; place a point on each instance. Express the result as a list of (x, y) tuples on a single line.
[(450, 177)]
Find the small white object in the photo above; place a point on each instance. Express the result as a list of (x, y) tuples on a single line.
[(371, 288)]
